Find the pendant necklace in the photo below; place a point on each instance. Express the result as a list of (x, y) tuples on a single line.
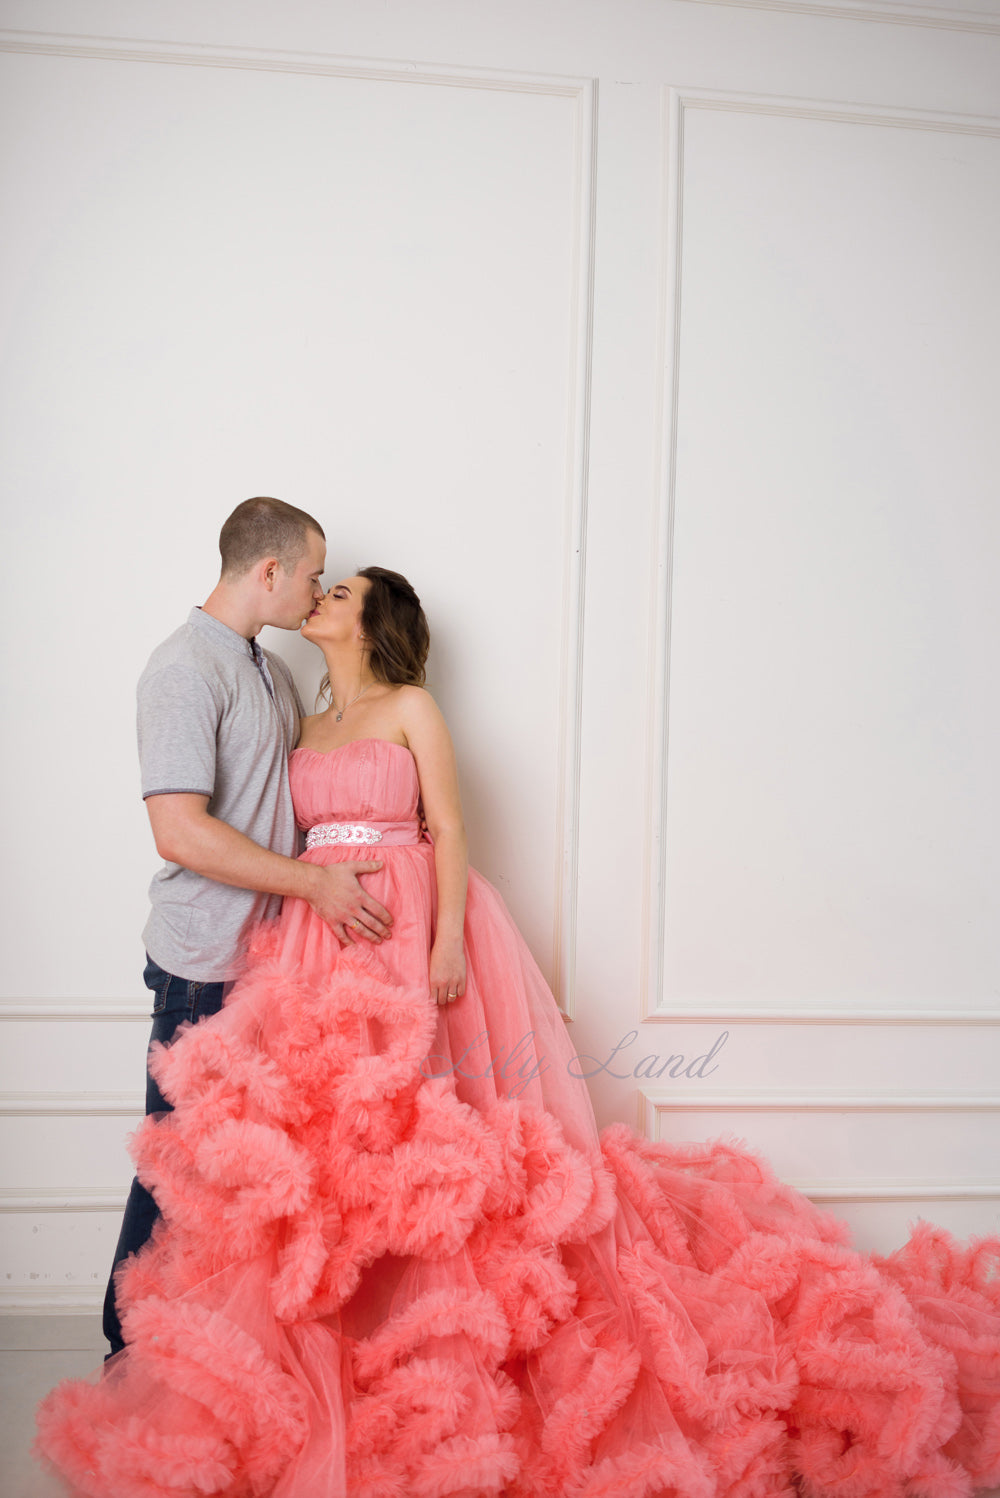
[(346, 705)]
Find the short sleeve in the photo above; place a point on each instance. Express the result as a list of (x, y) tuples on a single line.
[(177, 720)]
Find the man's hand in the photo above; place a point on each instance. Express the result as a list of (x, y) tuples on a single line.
[(345, 905), (186, 834)]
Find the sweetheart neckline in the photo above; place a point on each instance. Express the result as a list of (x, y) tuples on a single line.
[(325, 753)]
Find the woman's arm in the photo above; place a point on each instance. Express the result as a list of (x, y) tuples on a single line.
[(430, 744)]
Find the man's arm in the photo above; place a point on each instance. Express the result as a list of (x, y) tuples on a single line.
[(186, 834)]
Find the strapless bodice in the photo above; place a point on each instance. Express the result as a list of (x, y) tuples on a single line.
[(364, 780)]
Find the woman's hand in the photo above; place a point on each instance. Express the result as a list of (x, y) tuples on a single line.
[(447, 976)]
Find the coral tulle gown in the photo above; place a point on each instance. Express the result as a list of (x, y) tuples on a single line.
[(388, 1269)]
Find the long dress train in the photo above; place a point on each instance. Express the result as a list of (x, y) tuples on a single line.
[(396, 1260)]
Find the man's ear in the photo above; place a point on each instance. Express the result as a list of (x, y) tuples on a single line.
[(267, 572)]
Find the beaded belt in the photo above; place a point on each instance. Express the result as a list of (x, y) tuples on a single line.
[(333, 834), (326, 833)]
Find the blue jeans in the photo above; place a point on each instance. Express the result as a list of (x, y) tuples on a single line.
[(174, 1001)]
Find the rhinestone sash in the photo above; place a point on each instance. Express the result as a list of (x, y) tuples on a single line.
[(361, 834), (326, 833)]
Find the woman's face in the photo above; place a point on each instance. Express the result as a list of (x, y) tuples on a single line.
[(336, 619)]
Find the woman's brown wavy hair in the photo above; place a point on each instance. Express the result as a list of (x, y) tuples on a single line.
[(395, 630)]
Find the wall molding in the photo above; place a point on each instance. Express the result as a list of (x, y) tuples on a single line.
[(279, 60), (868, 1192), (582, 94), (61, 1199), (72, 1104), (41, 1299), (676, 104), (655, 1104), (74, 1009), (937, 17), (888, 116), (757, 1100), (803, 1015), (575, 527), (661, 549)]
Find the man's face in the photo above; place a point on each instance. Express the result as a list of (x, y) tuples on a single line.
[(294, 594)]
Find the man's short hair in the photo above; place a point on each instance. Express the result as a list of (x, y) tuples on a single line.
[(265, 527)]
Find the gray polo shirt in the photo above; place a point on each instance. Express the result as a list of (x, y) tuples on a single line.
[(217, 716)]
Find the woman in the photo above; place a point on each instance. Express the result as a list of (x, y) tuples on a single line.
[(396, 1260)]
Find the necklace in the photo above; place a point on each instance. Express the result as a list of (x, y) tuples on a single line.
[(346, 705)]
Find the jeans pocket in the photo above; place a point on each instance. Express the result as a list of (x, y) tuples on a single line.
[(158, 982), (205, 998)]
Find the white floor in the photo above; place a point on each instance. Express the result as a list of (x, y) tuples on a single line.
[(35, 1353)]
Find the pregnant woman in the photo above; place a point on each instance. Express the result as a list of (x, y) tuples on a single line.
[(389, 1269)]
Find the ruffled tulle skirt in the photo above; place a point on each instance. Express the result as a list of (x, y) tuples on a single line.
[(396, 1261)]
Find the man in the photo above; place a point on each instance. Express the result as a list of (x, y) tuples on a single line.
[(217, 719)]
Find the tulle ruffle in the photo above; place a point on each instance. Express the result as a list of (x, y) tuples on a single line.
[(364, 1285), (396, 1261)]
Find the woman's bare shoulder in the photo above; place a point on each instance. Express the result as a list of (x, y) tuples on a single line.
[(414, 697), (417, 707)]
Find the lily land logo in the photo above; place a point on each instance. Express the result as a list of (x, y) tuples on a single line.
[(520, 1064)]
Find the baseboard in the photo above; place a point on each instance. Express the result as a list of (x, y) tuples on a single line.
[(51, 1300)]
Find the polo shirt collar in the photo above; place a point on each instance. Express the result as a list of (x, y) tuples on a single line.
[(207, 624)]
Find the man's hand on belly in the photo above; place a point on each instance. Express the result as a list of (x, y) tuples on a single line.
[(346, 906)]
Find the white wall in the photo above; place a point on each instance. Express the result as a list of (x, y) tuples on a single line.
[(672, 321)]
